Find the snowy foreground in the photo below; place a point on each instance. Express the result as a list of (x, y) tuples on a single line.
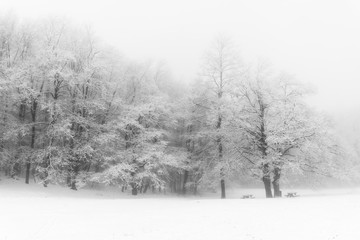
[(33, 212)]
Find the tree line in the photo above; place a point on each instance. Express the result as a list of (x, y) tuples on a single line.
[(75, 112)]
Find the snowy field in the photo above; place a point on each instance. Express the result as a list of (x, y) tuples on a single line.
[(34, 213)]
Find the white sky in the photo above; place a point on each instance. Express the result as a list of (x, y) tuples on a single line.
[(316, 40)]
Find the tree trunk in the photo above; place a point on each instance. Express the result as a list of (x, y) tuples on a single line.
[(222, 174), (73, 177), (146, 187), (28, 166), (28, 163), (263, 148), (46, 182), (22, 113), (267, 184), (134, 190), (276, 182), (73, 182), (267, 181), (222, 183), (186, 175), (45, 173)]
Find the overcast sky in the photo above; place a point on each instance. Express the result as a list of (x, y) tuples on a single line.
[(316, 40)]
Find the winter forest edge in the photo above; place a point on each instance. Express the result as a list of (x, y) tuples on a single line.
[(77, 113)]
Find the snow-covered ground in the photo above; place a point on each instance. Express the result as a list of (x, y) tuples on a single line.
[(32, 212)]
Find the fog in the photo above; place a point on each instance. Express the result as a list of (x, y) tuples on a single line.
[(316, 41)]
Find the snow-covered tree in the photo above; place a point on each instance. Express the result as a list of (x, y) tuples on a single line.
[(281, 133), (221, 70)]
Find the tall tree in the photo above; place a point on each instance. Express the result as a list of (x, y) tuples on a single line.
[(221, 69)]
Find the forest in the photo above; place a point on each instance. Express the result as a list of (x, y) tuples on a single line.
[(75, 112)]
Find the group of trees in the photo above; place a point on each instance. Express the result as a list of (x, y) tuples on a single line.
[(75, 112), (252, 121)]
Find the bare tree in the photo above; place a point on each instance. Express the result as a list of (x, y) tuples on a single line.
[(221, 70)]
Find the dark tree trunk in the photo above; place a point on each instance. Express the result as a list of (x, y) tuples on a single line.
[(73, 185), (263, 148), (267, 181), (220, 150), (146, 188), (222, 182), (134, 190), (186, 175), (27, 176), (276, 182), (267, 184), (22, 114), (28, 163)]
